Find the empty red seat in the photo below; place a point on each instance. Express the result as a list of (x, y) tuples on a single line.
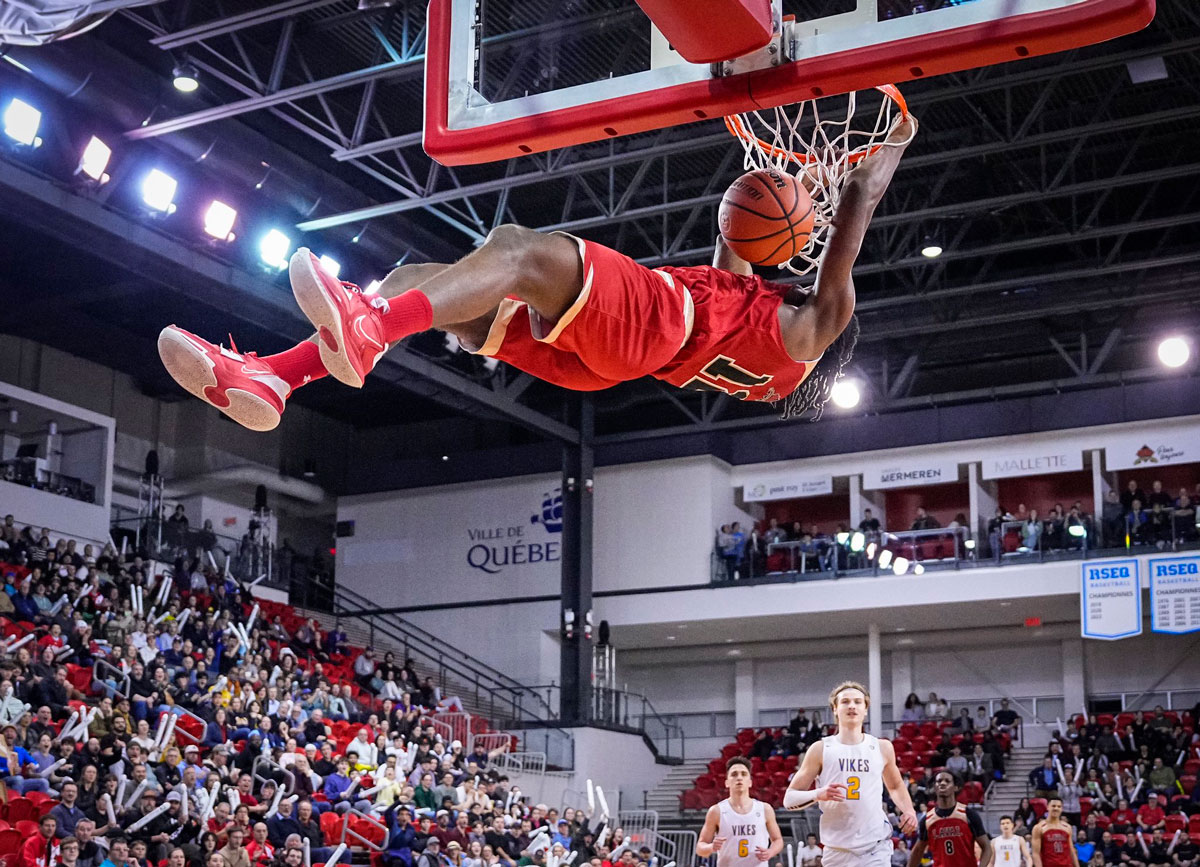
[(1175, 822), (1038, 805)]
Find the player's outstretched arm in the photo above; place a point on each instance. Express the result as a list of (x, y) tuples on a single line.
[(727, 260), (776, 835), (709, 843), (818, 323), (894, 781)]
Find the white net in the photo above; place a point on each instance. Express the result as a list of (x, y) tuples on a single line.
[(819, 141)]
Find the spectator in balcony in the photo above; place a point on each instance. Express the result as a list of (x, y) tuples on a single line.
[(963, 724), (869, 524), (1070, 791), (364, 669), (1044, 779), (1183, 520), (1031, 532), (774, 533), (177, 525), (1054, 529), (1162, 778), (980, 767), (1158, 495), (1077, 518), (957, 762), (1135, 523), (935, 708), (924, 520), (1131, 493), (1024, 817), (1157, 530), (914, 710), (1112, 519)]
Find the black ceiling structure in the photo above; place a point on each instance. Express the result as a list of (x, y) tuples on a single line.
[(1065, 195)]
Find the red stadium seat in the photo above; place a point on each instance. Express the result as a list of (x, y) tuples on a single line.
[(26, 828), (1085, 807), (1120, 839), (1194, 824), (1038, 805), (20, 809), (972, 793), (331, 827), (909, 730), (1175, 823), (10, 841), (1102, 821), (1192, 766), (1187, 782), (930, 730)]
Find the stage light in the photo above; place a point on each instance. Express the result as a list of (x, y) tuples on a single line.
[(918, 569), (219, 220), (275, 248), (969, 544), (857, 541), (871, 551), (885, 558), (1174, 352), (846, 394), (95, 160), (372, 287), (900, 567), (330, 266), (186, 78), (158, 191), (843, 538), (1077, 530), (21, 123), (931, 251)]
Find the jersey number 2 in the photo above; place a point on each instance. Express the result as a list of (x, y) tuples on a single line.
[(743, 848), (852, 784)]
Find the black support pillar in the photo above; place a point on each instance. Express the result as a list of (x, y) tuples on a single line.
[(576, 631)]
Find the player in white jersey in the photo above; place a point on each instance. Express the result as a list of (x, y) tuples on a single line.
[(741, 831), (851, 769), (1010, 850)]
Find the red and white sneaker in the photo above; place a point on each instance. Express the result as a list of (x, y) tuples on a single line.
[(242, 386), (348, 323)]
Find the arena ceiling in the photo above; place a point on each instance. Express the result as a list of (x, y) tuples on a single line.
[(1063, 192)]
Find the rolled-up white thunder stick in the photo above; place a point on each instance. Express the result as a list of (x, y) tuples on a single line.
[(171, 721), (600, 841), (274, 808), (28, 638), (165, 592), (85, 723), (80, 595), (591, 797), (183, 617), (260, 578), (160, 618), (64, 651), (213, 561), (371, 791), (137, 793), (149, 817), (71, 720), (791, 856), (121, 789), (250, 620), (158, 732), (307, 852), (337, 853), (603, 801), (136, 597), (45, 773), (1136, 791), (570, 859), (108, 809), (124, 546), (410, 757), (235, 799), (184, 802), (210, 802), (57, 607), (616, 853), (551, 861)]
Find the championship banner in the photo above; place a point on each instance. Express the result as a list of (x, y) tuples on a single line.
[(785, 486), (908, 475), (1110, 603), (1150, 449), (1032, 463), (1175, 594)]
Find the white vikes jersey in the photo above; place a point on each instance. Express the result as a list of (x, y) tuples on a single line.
[(743, 833), (1008, 852), (858, 822)]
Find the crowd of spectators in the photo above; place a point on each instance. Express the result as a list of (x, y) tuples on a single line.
[(1157, 518), (1027, 530), (156, 714)]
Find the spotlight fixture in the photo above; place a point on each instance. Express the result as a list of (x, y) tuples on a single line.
[(219, 220), (931, 249), (330, 266), (885, 558), (274, 249), (94, 161), (186, 78), (918, 569), (846, 394), (900, 567), (158, 191), (857, 541), (21, 123), (1174, 352)]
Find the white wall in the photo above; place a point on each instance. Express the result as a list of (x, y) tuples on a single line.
[(61, 515)]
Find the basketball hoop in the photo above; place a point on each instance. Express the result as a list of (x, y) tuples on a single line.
[(820, 147)]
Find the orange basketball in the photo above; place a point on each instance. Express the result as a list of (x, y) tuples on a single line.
[(766, 217)]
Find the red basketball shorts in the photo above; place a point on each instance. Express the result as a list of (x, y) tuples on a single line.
[(627, 322)]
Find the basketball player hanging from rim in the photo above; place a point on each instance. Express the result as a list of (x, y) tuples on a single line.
[(740, 831), (851, 769), (573, 313)]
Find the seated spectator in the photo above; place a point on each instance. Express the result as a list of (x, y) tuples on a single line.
[(1044, 779), (1158, 496), (924, 520), (809, 855), (1183, 519), (935, 708), (1158, 527), (980, 767), (1132, 493), (1135, 523)]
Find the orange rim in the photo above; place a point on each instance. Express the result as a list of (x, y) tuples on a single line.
[(738, 129)]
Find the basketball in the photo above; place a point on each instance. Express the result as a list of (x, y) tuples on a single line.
[(766, 217)]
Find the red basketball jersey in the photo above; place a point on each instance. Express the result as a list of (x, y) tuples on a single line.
[(736, 346), (1056, 847), (951, 837)]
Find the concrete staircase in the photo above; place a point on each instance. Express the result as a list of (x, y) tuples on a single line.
[(1004, 797), (664, 798)]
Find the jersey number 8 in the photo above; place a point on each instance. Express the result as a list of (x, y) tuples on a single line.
[(852, 784), (743, 848)]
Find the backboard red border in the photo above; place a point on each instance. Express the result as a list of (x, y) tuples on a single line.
[(1023, 36)]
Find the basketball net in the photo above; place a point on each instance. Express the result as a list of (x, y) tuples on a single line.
[(820, 145)]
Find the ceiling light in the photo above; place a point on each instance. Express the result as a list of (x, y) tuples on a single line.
[(846, 394), (95, 160), (931, 251), (158, 191), (670, 638), (330, 266), (186, 78), (274, 249), (735, 652), (219, 220), (21, 123), (1174, 352)]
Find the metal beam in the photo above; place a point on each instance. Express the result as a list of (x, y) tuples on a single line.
[(247, 298), (234, 23)]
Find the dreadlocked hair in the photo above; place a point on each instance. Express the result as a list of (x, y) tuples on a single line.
[(812, 394)]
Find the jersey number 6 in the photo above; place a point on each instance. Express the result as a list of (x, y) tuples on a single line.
[(743, 848)]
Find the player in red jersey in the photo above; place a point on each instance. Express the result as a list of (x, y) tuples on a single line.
[(1054, 839), (951, 831), (573, 313)]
